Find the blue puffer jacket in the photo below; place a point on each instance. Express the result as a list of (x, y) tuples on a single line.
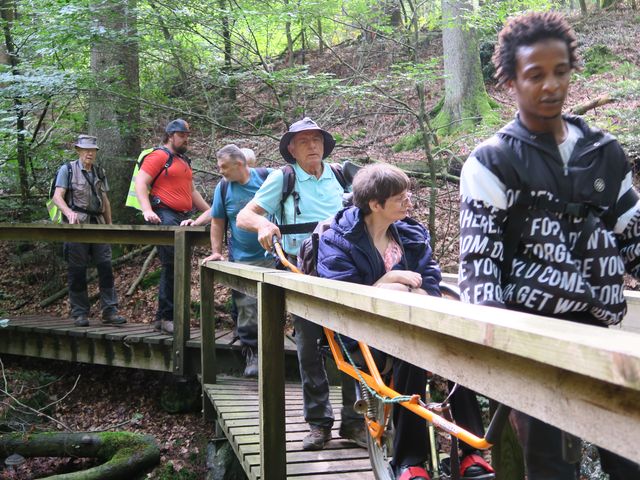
[(347, 253)]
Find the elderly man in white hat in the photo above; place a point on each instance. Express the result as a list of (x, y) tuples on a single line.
[(81, 195), (316, 195)]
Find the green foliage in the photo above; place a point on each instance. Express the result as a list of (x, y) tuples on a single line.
[(487, 48), (168, 472), (151, 279), (409, 142), (597, 59)]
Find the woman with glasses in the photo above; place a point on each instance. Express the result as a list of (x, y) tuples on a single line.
[(374, 242)]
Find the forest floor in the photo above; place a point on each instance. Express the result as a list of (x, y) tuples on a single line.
[(95, 398)]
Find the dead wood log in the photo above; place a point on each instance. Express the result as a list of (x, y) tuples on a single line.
[(115, 263), (143, 271), (582, 108), (124, 454)]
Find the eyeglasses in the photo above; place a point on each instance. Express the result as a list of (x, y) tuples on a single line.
[(405, 201)]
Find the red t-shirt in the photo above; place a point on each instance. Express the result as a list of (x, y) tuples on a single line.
[(172, 187)]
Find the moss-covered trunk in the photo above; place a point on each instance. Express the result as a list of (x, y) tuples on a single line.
[(466, 101), (123, 454)]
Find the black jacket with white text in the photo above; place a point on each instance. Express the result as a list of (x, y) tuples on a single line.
[(549, 274)]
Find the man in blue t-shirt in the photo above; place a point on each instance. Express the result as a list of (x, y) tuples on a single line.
[(239, 184), (317, 195)]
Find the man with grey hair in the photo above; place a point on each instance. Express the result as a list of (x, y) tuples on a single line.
[(81, 195), (316, 195), (237, 188)]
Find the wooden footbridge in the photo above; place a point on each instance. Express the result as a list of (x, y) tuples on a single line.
[(583, 379)]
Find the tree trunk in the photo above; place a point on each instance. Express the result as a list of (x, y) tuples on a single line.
[(583, 7), (319, 33), (8, 13), (466, 101), (114, 106), (287, 31), (228, 49), (126, 454)]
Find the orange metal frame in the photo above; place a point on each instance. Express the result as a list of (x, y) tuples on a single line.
[(375, 382)]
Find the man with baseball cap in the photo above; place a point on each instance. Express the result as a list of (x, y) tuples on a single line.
[(81, 196), (317, 195), (167, 195)]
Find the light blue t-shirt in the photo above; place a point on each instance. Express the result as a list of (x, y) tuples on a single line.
[(320, 198), (243, 245)]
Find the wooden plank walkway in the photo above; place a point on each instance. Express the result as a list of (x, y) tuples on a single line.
[(133, 345), (236, 403)]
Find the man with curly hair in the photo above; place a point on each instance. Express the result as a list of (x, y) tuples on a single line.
[(549, 216)]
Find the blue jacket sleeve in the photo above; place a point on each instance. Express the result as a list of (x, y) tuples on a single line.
[(335, 260)]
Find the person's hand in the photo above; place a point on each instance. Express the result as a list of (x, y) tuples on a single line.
[(72, 217), (151, 217), (266, 233), (214, 257), (188, 222), (404, 277)]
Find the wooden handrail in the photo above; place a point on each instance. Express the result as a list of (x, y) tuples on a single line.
[(183, 239), (583, 379)]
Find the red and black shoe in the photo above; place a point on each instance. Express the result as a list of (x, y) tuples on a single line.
[(413, 473), (474, 467)]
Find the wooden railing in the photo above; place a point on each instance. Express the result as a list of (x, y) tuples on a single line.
[(182, 238), (583, 379)]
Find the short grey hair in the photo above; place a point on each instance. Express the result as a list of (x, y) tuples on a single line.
[(233, 152)]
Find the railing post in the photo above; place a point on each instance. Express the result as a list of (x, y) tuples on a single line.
[(181, 298), (273, 459), (208, 345)]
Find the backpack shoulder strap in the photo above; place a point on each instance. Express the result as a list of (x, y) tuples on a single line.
[(263, 172), (519, 212), (337, 171), (167, 163), (69, 194), (288, 189), (288, 182)]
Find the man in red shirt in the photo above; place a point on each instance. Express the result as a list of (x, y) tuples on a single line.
[(167, 197)]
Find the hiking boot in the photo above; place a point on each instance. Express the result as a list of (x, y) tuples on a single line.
[(167, 326), (81, 321), (157, 325), (113, 319), (355, 431), (251, 359), (317, 438)]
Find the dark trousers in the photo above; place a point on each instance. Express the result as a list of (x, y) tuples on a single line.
[(315, 384), (166, 256), (465, 409), (411, 439), (542, 448), (79, 256), (542, 443)]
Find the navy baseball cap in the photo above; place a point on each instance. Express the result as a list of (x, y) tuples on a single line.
[(300, 126), (177, 125)]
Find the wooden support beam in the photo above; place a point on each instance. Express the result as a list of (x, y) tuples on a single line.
[(271, 312), (181, 298), (208, 366)]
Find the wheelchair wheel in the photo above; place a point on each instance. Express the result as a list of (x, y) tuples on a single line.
[(380, 447)]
